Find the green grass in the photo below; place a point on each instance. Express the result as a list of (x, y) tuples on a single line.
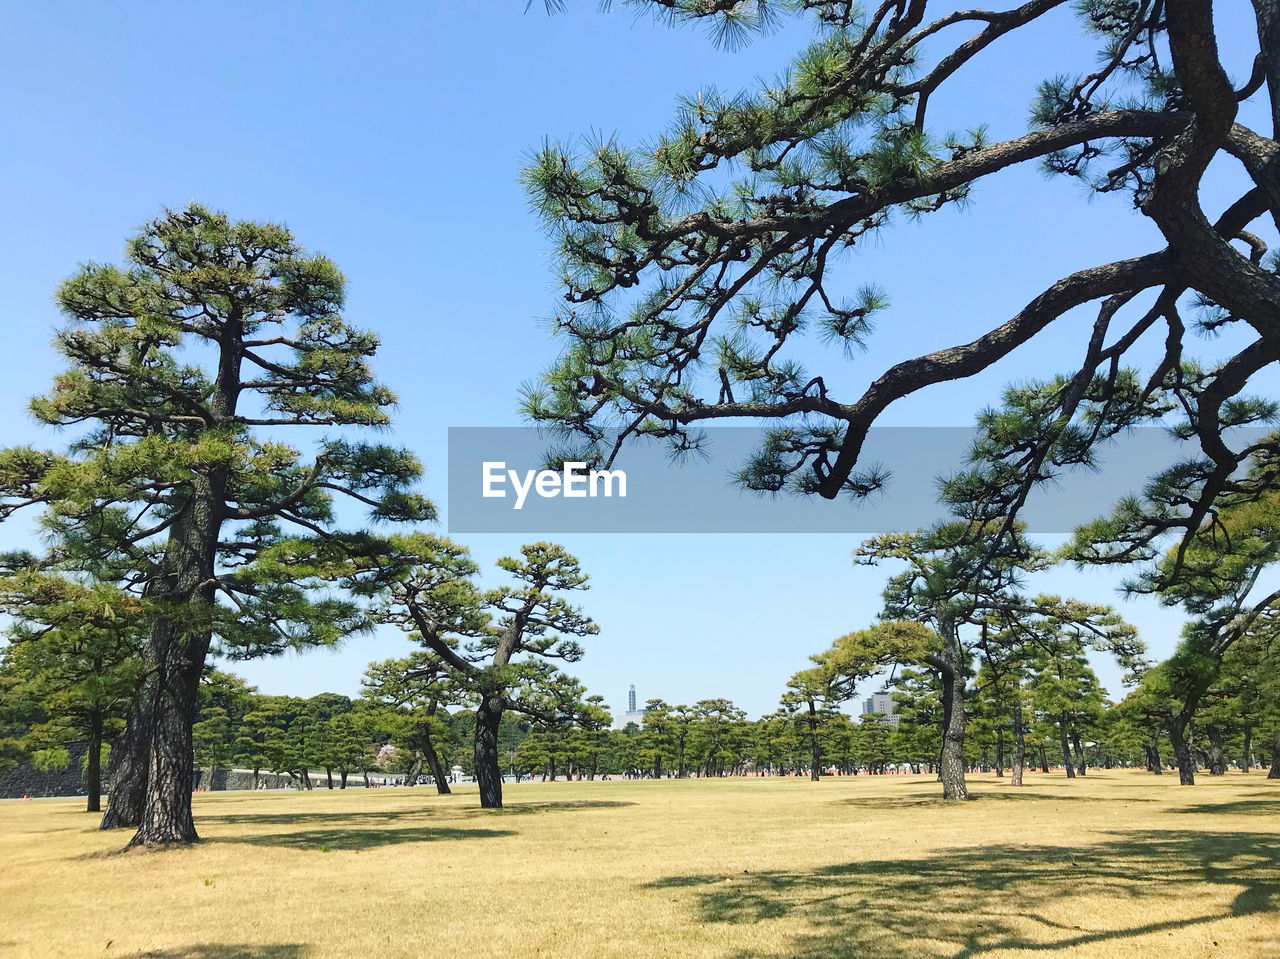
[(1113, 865)]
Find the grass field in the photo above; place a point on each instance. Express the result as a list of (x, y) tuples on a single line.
[(1114, 865)]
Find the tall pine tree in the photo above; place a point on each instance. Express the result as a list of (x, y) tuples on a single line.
[(182, 370)]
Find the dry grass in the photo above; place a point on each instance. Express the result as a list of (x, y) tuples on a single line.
[(1118, 864)]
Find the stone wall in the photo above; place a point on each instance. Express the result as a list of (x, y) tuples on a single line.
[(26, 780), (220, 779)]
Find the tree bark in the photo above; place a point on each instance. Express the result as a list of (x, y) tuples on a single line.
[(951, 765), (1274, 772), (1182, 751), (815, 753), (93, 765), (433, 763), (1246, 749), (1081, 766), (1019, 747), (488, 773), (166, 813), (127, 767), (1217, 756), (1044, 760), (1066, 747), (179, 651)]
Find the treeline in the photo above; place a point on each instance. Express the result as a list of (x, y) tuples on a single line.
[(1070, 726)]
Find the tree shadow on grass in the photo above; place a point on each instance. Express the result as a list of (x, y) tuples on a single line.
[(354, 837), (1016, 793), (356, 833), (226, 950), (977, 795), (442, 811), (972, 901), (360, 829), (1241, 807)]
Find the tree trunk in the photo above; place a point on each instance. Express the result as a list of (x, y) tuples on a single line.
[(344, 779), (1044, 760), (1274, 772), (1177, 729), (999, 753), (127, 767), (328, 776), (488, 773), (178, 651), (1217, 756), (1019, 747), (815, 753), (255, 778), (166, 814), (951, 764), (93, 765), (433, 763), (1066, 748), (1246, 749), (1081, 765)]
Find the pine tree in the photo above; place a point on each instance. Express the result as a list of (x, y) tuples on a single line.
[(70, 665), (697, 269), (658, 747), (182, 370), (1216, 576), (417, 689), (813, 694), (498, 644)]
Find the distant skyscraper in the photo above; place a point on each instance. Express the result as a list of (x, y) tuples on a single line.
[(881, 702), (633, 713)]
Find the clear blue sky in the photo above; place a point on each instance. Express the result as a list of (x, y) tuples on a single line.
[(390, 137)]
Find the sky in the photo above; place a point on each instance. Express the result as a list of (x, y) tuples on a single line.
[(390, 137)]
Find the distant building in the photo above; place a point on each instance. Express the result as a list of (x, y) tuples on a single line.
[(632, 715), (881, 702)]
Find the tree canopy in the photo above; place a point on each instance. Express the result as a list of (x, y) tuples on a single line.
[(694, 265), (180, 369)]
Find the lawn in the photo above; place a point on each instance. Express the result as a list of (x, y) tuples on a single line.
[(1116, 864)]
